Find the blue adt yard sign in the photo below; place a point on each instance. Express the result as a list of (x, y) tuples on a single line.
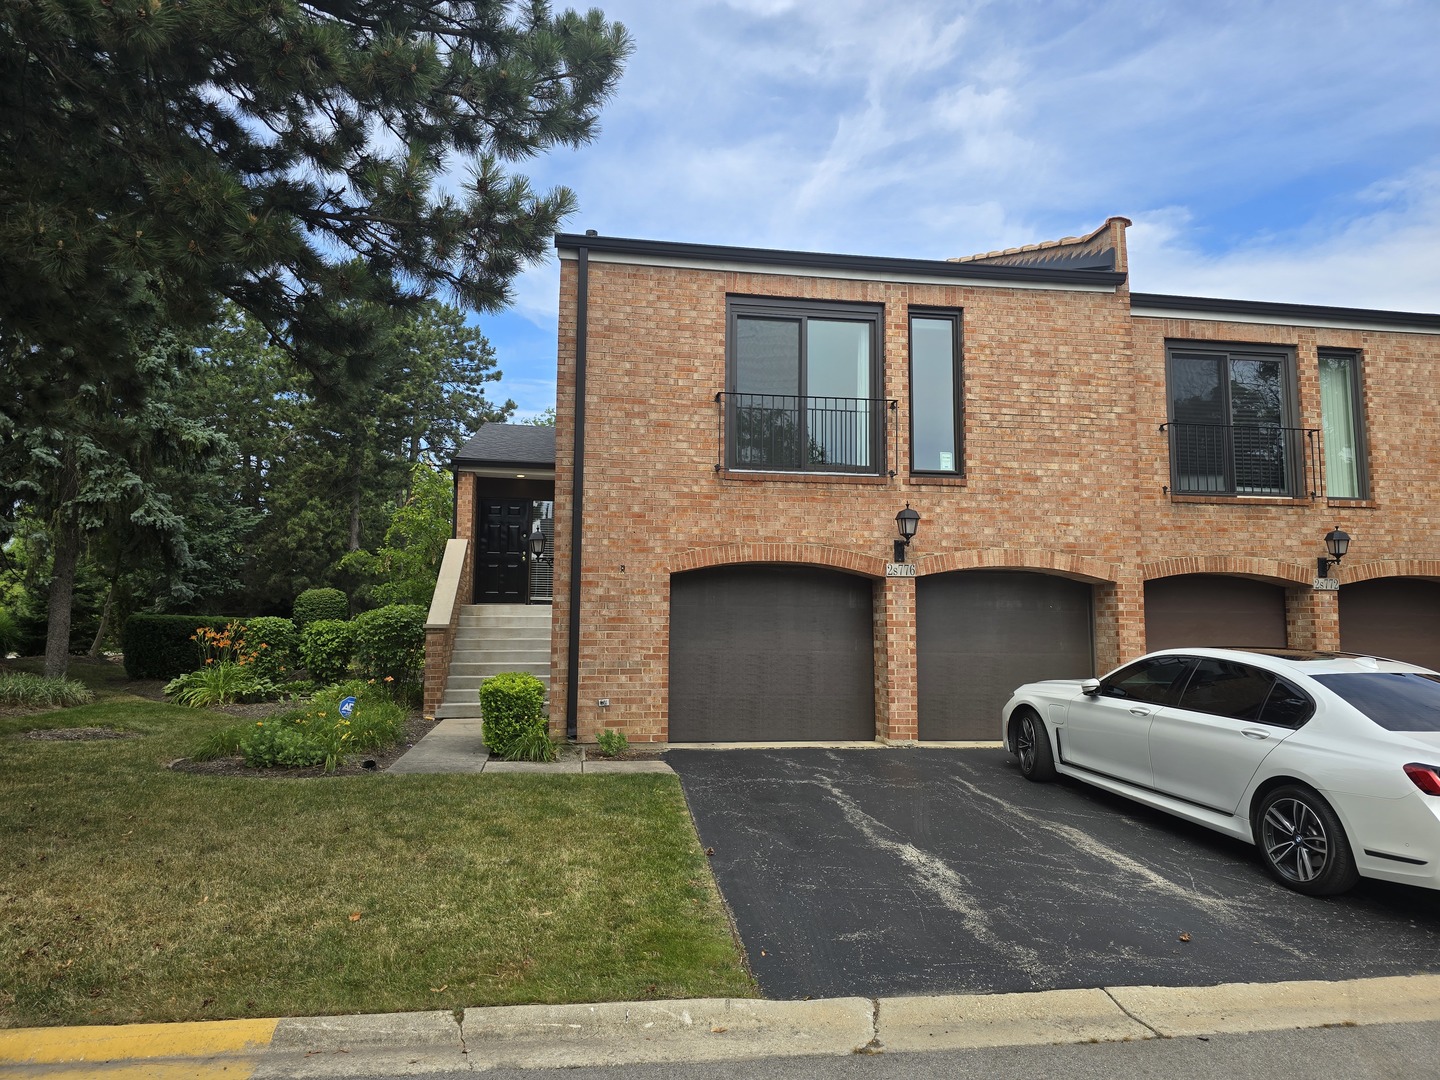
[(347, 706)]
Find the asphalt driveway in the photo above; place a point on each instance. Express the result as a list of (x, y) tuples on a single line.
[(907, 871)]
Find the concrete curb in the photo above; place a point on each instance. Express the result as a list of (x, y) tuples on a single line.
[(712, 1029)]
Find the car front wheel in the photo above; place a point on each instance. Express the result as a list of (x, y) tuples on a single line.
[(1032, 746), (1303, 843)]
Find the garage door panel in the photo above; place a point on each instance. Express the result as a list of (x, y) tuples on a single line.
[(981, 633), (1212, 610), (1397, 618), (771, 654)]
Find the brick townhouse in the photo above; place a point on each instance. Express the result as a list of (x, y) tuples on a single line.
[(1095, 472)]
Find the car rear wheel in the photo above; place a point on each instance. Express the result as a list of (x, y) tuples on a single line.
[(1303, 843), (1032, 746)]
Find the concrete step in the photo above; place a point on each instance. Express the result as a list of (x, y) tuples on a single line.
[(486, 665), (465, 684), (480, 650), (488, 619), (534, 645)]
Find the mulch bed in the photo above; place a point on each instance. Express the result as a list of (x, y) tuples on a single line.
[(78, 734)]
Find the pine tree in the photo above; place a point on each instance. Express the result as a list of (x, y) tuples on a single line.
[(304, 159)]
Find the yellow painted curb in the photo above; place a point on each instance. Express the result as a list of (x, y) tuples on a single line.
[(211, 1038)]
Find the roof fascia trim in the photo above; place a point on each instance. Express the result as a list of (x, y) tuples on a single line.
[(819, 264), (1163, 306)]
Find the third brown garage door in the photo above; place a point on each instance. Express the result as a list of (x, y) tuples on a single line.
[(1196, 610), (1394, 617), (981, 633)]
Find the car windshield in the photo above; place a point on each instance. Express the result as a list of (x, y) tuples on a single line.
[(1396, 700)]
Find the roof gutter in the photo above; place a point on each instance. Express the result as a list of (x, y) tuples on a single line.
[(577, 498)]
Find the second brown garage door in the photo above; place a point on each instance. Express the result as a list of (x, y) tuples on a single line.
[(1199, 610), (981, 633), (1398, 618)]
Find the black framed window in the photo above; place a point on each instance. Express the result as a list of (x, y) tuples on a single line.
[(936, 391), (1342, 418), (1231, 423), (804, 386)]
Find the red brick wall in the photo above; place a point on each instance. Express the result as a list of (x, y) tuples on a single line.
[(1065, 472)]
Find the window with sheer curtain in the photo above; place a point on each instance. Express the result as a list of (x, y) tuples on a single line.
[(1342, 425)]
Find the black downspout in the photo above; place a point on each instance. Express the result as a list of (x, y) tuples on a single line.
[(577, 498)]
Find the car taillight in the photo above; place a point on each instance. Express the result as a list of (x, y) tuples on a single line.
[(1425, 777)]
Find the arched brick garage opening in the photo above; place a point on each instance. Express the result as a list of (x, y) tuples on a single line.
[(1394, 617), (981, 633), (1214, 610), (765, 653)]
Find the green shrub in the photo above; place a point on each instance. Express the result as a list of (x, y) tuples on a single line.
[(318, 734), (219, 684), (390, 644), (533, 744), (511, 704), (312, 605), (326, 646), (610, 742), (275, 644), (23, 688), (218, 744), (164, 646), (10, 635)]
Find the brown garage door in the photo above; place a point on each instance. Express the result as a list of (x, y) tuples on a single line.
[(1211, 609), (981, 633), (1394, 617), (771, 654)]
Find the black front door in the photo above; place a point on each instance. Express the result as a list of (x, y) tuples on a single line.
[(502, 574)]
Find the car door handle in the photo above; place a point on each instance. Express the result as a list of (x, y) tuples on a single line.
[(1251, 733), (1136, 710)]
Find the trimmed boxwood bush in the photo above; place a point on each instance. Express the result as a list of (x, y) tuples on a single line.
[(163, 646), (390, 643), (326, 646), (511, 705), (276, 645), (315, 604)]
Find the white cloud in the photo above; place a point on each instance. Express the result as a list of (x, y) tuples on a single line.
[(1381, 254)]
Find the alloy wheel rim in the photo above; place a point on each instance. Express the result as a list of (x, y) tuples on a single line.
[(1295, 840), (1025, 743)]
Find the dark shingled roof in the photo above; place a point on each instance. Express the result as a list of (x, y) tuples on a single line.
[(509, 444)]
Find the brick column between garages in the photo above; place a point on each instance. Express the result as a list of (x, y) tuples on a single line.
[(898, 708)]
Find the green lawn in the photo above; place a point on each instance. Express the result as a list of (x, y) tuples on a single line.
[(132, 893)]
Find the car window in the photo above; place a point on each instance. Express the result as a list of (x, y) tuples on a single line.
[(1152, 680), (1225, 688), (1396, 700), (1287, 706)]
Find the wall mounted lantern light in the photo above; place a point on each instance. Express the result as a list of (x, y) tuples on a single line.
[(1336, 543), (537, 543), (907, 521)]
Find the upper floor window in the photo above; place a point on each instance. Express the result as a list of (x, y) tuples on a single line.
[(1343, 420), (803, 380), (935, 392), (1231, 421)]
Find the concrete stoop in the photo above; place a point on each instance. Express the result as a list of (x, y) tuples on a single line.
[(489, 639)]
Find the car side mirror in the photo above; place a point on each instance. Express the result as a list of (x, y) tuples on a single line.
[(1090, 687)]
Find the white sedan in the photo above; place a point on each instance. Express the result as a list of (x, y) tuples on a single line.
[(1328, 762)]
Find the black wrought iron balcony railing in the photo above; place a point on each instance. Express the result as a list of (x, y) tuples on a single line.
[(1243, 459), (789, 433)]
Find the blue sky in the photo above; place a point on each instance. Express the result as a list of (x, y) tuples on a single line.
[(1283, 151)]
